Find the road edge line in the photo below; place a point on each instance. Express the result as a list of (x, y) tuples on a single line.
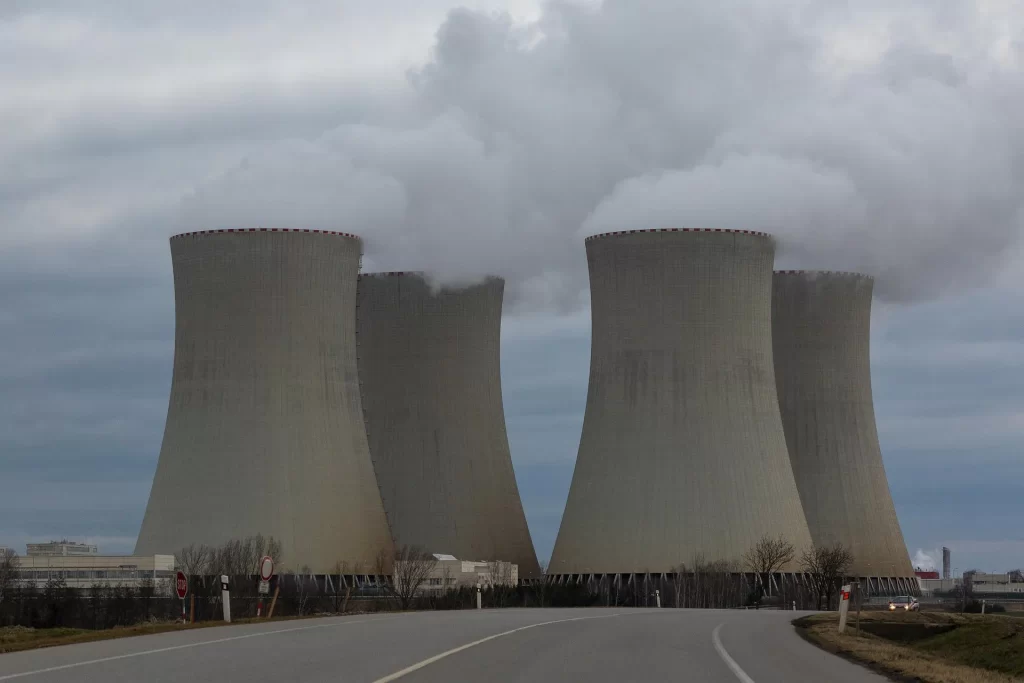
[(129, 655), (729, 661)]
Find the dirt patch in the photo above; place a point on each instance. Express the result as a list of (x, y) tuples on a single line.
[(926, 647), (906, 632)]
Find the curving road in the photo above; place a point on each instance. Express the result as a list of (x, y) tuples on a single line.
[(536, 645)]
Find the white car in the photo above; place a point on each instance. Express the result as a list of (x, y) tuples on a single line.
[(907, 603)]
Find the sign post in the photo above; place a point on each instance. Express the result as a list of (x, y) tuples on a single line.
[(844, 607), (225, 597), (266, 573), (181, 588)]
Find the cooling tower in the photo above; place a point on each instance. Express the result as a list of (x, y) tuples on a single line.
[(682, 451), (265, 429), (431, 385), (821, 328)]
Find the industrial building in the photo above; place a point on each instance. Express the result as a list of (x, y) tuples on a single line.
[(429, 366), (821, 325), (683, 451), (985, 583), (451, 573), (104, 571), (63, 548), (264, 430)]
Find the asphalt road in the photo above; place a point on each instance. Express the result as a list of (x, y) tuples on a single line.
[(535, 645)]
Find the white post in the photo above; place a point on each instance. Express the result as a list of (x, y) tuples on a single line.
[(794, 605), (657, 594), (225, 597), (479, 600), (844, 607), (982, 606)]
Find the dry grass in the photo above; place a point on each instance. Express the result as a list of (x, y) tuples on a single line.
[(18, 638), (979, 649)]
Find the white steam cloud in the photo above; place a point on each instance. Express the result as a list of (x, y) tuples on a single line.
[(927, 560), (866, 137)]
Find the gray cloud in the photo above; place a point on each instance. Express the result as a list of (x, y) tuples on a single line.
[(868, 137)]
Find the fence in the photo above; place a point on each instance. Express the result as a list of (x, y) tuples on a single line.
[(57, 605)]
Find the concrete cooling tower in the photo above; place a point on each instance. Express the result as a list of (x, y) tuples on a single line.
[(265, 428), (431, 381), (821, 329), (683, 451)]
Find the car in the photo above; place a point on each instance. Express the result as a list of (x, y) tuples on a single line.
[(907, 603)]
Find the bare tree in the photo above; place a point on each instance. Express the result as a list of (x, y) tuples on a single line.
[(680, 572), (9, 565), (768, 556), (826, 566), (412, 567), (194, 560), (303, 591), (241, 556)]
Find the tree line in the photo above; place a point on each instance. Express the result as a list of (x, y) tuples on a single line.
[(754, 581)]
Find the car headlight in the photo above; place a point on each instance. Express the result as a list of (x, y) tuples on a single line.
[(892, 606)]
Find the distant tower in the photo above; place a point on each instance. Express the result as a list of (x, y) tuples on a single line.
[(429, 365), (265, 428), (821, 332), (683, 451), (945, 564)]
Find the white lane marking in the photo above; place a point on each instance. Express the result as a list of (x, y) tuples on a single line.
[(729, 661), (129, 655), (426, 662)]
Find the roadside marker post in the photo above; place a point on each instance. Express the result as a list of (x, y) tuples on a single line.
[(844, 607), (657, 596), (181, 588), (225, 597), (479, 599)]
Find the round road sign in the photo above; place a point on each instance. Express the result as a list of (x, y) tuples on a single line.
[(266, 567), (181, 585)]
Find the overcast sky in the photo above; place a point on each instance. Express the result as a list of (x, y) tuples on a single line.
[(492, 137)]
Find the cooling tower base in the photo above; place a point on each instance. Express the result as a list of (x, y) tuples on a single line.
[(788, 586)]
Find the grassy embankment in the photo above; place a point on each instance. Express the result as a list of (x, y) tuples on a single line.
[(17, 638), (930, 647)]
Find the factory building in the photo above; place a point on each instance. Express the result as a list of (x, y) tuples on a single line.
[(105, 571), (821, 334), (264, 430), (683, 452), (429, 365), (63, 548), (450, 573)]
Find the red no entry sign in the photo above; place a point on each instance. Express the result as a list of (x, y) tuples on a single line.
[(266, 567), (181, 585)]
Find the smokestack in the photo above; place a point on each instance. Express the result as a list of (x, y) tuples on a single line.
[(430, 369), (683, 451), (265, 429), (946, 574), (821, 333)]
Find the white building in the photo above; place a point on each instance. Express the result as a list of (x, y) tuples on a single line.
[(63, 548), (86, 571), (452, 573), (982, 582)]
